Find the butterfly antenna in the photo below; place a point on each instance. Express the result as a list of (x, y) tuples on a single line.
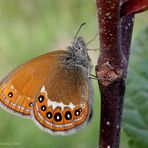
[(92, 39), (79, 30)]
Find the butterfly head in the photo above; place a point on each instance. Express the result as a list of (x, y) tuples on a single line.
[(77, 54), (79, 44)]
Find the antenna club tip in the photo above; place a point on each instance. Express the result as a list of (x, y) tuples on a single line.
[(83, 23), (79, 30)]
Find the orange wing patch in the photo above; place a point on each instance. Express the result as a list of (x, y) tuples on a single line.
[(12, 99), (20, 87)]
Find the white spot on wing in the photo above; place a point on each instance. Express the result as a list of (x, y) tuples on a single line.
[(71, 106), (58, 117), (28, 98), (44, 90), (12, 87), (55, 104)]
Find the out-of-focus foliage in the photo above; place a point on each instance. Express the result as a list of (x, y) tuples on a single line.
[(135, 120), (29, 28)]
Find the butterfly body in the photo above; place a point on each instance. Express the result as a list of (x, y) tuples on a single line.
[(53, 89)]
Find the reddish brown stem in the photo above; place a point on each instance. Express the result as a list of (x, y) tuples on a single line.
[(111, 63), (115, 39), (134, 6)]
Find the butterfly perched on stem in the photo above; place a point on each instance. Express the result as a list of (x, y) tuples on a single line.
[(53, 89)]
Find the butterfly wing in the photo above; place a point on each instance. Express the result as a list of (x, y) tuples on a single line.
[(64, 103), (19, 88), (57, 95)]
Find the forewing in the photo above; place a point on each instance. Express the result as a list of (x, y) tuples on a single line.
[(19, 88)]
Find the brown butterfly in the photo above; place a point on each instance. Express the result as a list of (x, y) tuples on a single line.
[(53, 89)]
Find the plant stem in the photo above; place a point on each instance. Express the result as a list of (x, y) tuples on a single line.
[(115, 39)]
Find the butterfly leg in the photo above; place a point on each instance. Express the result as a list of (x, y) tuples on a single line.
[(91, 76), (93, 49)]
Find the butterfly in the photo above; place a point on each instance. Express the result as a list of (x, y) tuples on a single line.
[(54, 90)]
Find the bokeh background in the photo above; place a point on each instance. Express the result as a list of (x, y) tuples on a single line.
[(29, 28)]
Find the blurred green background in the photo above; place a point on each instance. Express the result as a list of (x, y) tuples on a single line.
[(29, 28)]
